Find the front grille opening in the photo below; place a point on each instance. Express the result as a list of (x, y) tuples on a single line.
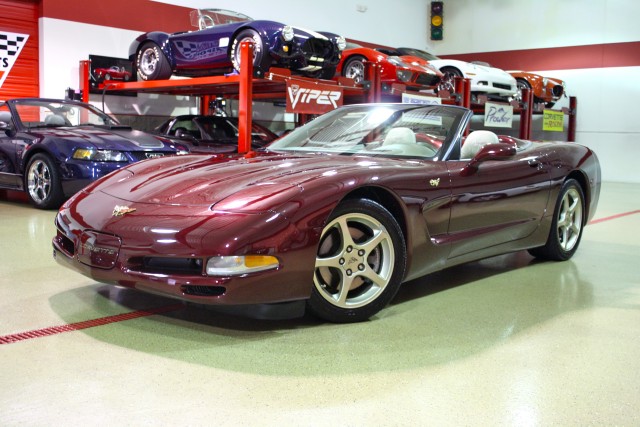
[(66, 244), (502, 86), (317, 47), (427, 79), (203, 291), (167, 265)]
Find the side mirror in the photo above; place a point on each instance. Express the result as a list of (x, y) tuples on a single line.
[(497, 151), (6, 127)]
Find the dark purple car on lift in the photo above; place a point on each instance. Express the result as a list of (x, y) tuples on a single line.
[(52, 148), (215, 48)]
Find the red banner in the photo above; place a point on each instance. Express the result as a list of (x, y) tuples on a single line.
[(312, 98)]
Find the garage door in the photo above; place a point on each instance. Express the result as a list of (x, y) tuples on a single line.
[(18, 49)]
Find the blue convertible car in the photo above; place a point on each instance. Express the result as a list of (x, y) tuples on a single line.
[(52, 148), (215, 48)]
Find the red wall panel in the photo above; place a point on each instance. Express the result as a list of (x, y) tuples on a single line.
[(21, 17)]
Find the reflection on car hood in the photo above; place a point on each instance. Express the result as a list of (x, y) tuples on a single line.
[(104, 138), (204, 180)]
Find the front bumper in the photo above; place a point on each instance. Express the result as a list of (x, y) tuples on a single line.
[(146, 251)]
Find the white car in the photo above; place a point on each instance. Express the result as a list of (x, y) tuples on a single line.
[(485, 79)]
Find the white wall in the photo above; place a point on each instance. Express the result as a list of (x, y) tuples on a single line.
[(606, 97)]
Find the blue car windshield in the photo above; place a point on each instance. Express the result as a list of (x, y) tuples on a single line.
[(387, 130), (39, 113), (207, 18)]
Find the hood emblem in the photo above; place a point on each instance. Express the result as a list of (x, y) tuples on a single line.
[(122, 210), (434, 182)]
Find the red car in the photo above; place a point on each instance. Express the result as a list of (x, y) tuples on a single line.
[(409, 70), (334, 215), (114, 72), (545, 90)]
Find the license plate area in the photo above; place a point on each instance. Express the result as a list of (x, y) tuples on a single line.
[(98, 249)]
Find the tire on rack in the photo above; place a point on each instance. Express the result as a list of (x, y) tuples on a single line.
[(42, 182), (524, 84), (567, 224), (258, 51), (354, 68), (151, 63), (360, 263)]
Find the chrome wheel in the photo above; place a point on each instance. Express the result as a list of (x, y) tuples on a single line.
[(354, 261), (42, 182), (566, 226), (354, 69), (570, 220), (248, 36), (39, 181), (360, 262), (149, 61)]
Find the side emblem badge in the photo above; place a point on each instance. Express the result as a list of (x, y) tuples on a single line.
[(434, 182), (122, 210)]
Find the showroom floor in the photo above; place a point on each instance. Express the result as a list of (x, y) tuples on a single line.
[(505, 341)]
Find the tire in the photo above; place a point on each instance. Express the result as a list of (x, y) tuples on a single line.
[(42, 182), (523, 84), (357, 276), (567, 225), (354, 68), (151, 63), (450, 73), (258, 51), (107, 76)]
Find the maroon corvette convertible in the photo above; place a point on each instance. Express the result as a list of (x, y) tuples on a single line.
[(338, 213)]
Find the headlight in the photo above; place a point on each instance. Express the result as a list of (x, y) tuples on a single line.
[(237, 265), (397, 61), (341, 42), (287, 33), (99, 155)]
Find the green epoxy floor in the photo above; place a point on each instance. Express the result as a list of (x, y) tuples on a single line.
[(505, 341)]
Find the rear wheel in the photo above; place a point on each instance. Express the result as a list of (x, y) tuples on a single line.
[(360, 263), (151, 63), (567, 225), (42, 182)]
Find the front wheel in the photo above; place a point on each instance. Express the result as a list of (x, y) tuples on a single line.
[(360, 263), (42, 182), (151, 63), (567, 225), (354, 68), (248, 35)]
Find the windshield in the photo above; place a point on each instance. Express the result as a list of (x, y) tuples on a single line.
[(41, 113), (207, 18), (417, 52), (384, 129)]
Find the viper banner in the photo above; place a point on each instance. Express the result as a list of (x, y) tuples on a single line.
[(311, 98), (11, 45)]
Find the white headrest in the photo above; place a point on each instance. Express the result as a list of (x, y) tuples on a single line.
[(475, 141), (400, 135)]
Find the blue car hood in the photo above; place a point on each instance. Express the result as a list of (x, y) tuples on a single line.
[(105, 138)]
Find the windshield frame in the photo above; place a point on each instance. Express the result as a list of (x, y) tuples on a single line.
[(75, 113)]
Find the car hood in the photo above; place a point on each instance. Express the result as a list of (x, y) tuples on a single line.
[(105, 138), (245, 184)]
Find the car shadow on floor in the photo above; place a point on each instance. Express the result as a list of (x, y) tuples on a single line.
[(442, 317)]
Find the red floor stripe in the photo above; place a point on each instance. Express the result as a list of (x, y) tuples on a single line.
[(39, 333), (609, 218)]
